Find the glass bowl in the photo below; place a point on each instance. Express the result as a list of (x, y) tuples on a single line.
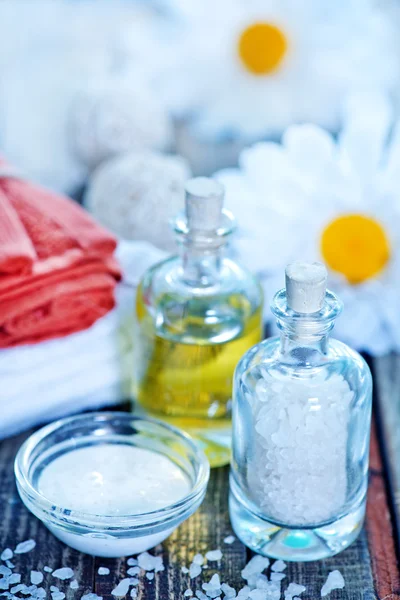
[(109, 535)]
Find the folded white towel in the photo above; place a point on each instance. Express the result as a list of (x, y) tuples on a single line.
[(89, 369)]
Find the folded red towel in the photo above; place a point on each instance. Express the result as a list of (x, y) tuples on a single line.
[(57, 271)]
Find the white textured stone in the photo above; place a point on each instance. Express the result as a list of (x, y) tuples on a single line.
[(113, 118), (135, 195), (106, 571)]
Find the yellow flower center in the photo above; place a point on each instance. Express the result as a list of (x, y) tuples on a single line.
[(262, 47), (356, 246)]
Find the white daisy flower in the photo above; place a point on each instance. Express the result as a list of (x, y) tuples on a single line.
[(337, 201), (253, 67)]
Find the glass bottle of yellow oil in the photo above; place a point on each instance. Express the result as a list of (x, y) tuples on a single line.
[(196, 315)]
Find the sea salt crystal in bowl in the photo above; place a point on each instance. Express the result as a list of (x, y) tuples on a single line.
[(111, 484)]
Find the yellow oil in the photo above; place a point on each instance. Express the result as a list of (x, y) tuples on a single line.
[(186, 379)]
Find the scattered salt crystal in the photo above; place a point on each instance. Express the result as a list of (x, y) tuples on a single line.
[(150, 576), (10, 565), (132, 562), (133, 571), (194, 570), (26, 546), (18, 588), (229, 591), (29, 591), (14, 578), (36, 577), (259, 594), (277, 576), (58, 595), (6, 554), (198, 559), (91, 596), (229, 539), (185, 570), (296, 598), (133, 593), (63, 573), (5, 570), (243, 594), (54, 588), (147, 562), (294, 589), (103, 571), (262, 582), (48, 569), (278, 566), (74, 584), (213, 555), (255, 566), (201, 595), (4, 584), (188, 593), (39, 593), (122, 588), (134, 581), (213, 587), (335, 581)]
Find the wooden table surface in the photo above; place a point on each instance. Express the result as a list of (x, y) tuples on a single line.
[(369, 566)]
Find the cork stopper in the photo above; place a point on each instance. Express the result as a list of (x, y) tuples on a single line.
[(306, 286), (204, 199)]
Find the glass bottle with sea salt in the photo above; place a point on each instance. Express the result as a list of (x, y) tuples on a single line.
[(301, 425), (196, 315)]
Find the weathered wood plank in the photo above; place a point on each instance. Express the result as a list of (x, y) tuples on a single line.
[(204, 531)]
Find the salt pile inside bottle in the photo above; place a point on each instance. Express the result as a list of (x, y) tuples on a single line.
[(297, 473)]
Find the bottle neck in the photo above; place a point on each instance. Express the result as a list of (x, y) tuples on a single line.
[(201, 267), (305, 337), (303, 345), (201, 251)]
